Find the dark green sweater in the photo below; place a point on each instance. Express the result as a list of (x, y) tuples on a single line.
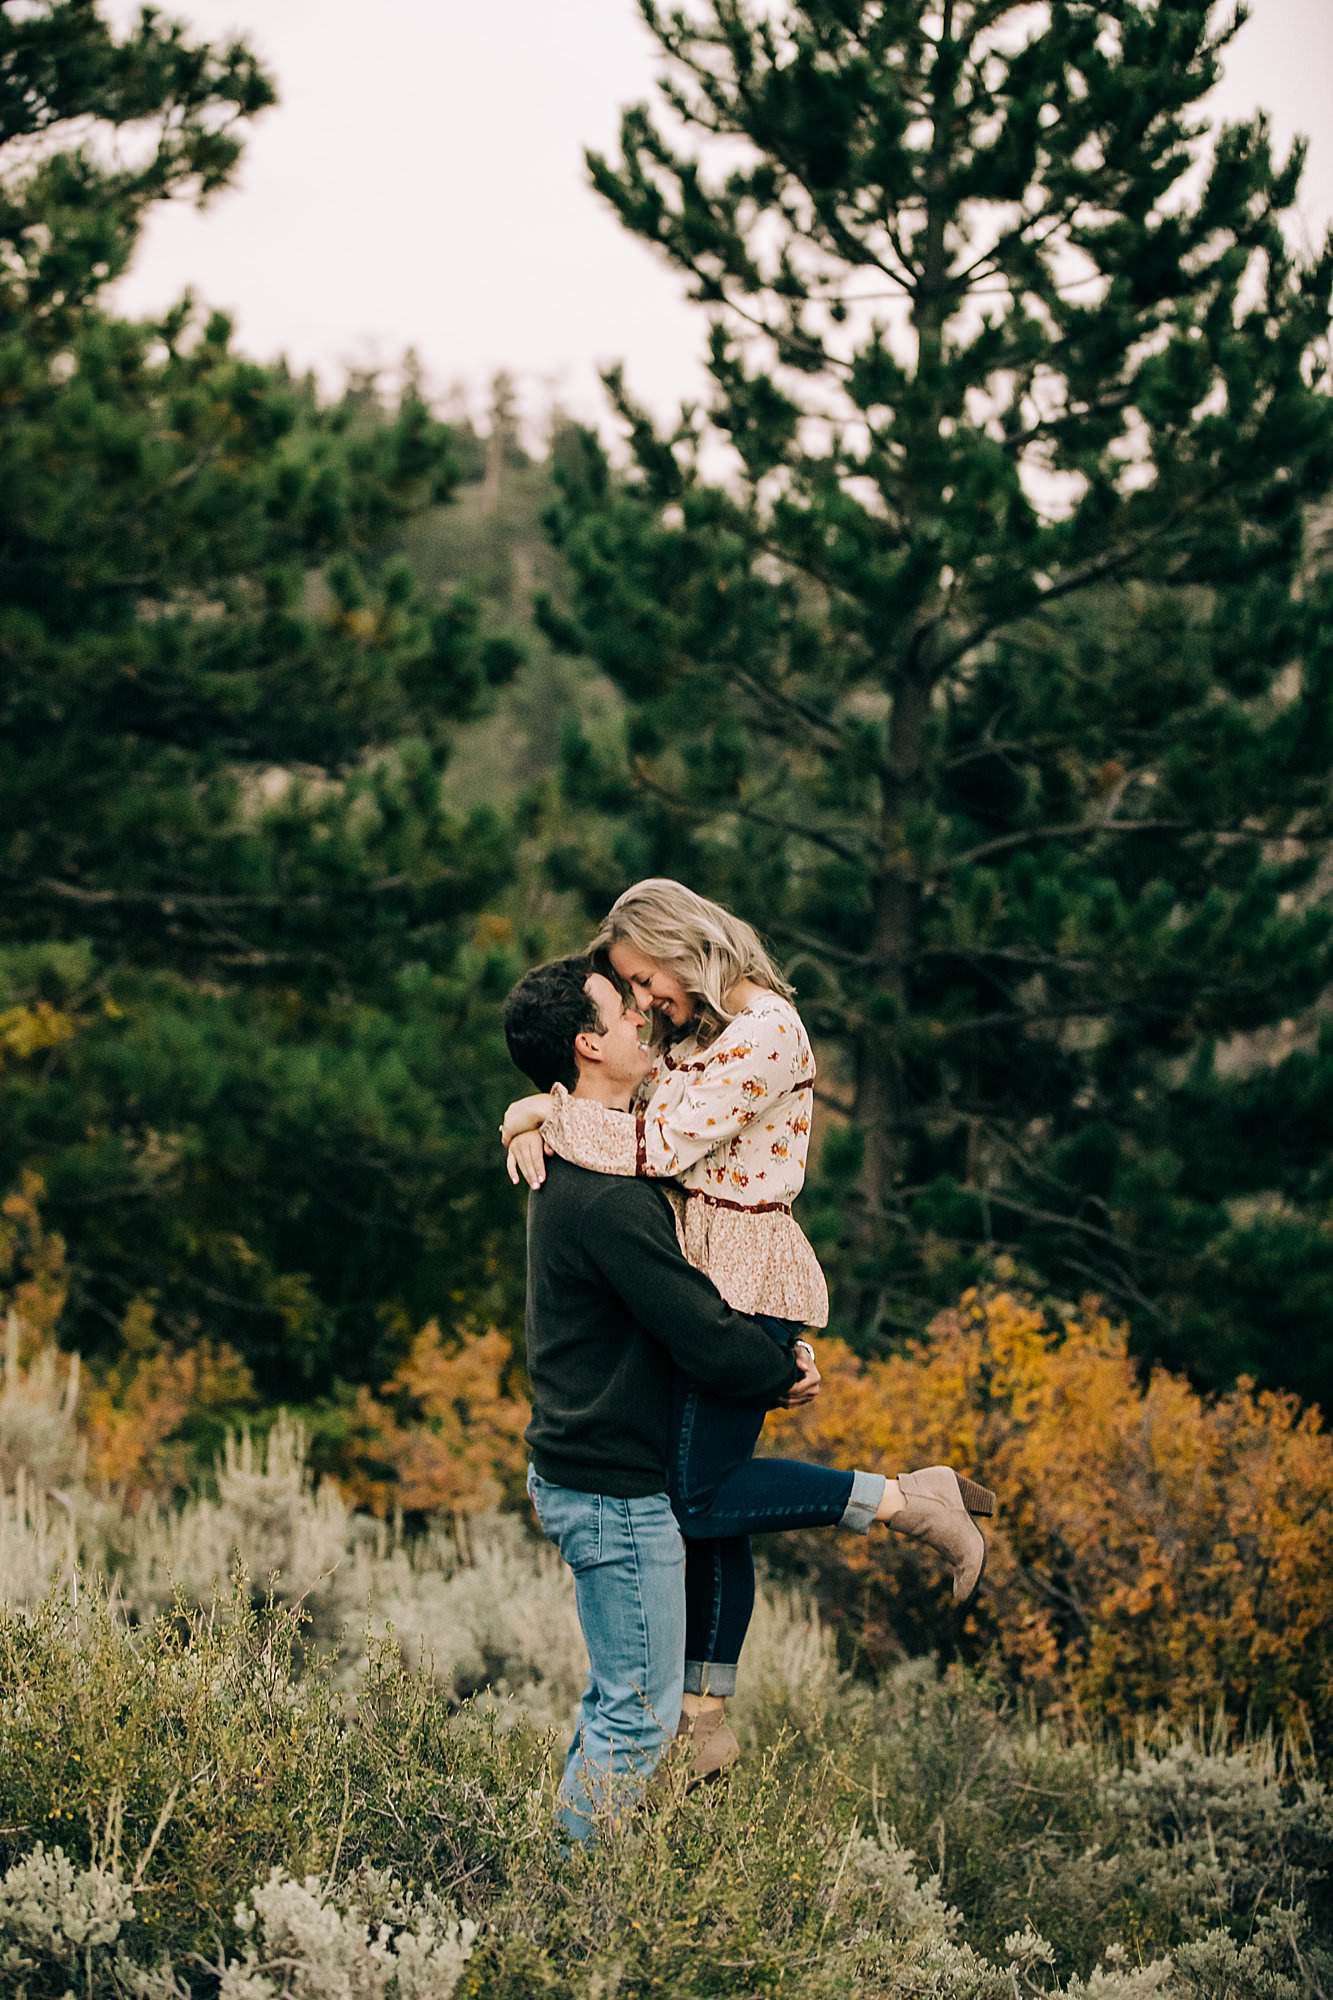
[(612, 1308)]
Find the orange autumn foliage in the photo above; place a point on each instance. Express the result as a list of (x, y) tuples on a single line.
[(1154, 1551), (132, 1412), (443, 1434)]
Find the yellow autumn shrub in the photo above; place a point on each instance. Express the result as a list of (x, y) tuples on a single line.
[(443, 1433), (29, 1031), (1155, 1551)]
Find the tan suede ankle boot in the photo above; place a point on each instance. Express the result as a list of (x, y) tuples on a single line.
[(937, 1510), (706, 1744)]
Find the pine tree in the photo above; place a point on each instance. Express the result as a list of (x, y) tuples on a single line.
[(248, 981), (969, 645)]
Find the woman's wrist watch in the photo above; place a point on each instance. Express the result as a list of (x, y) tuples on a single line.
[(799, 1344)]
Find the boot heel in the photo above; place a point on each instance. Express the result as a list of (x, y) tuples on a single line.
[(976, 1499)]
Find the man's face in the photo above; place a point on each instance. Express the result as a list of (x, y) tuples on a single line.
[(624, 1057)]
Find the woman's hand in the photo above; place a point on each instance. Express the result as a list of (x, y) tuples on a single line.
[(526, 1159), (525, 1114)]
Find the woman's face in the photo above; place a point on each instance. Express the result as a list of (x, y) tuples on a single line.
[(653, 986)]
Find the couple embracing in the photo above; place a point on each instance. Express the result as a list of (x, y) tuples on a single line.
[(669, 1289)]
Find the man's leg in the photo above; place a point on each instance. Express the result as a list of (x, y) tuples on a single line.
[(586, 1709), (632, 1610), (628, 1560)]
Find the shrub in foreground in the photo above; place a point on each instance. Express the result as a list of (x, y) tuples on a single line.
[(198, 1807)]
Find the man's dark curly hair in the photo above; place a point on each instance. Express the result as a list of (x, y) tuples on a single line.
[(542, 1016)]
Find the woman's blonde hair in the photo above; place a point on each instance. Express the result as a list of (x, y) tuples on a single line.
[(699, 942)]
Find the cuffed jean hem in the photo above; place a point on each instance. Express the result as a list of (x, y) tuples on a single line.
[(709, 1677), (862, 1506)]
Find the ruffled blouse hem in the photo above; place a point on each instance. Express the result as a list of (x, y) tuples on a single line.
[(757, 1257)]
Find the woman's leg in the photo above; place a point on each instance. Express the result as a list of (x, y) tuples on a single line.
[(722, 1495), (770, 1495), (708, 1435), (711, 1435), (721, 1491), (719, 1598)]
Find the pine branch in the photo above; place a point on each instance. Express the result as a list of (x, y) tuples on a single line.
[(1121, 1285), (1087, 829), (815, 348), (1004, 244), (1034, 836), (1054, 1218), (982, 954), (1118, 563), (820, 947), (1092, 1008), (791, 706), (1018, 441), (790, 829), (167, 901), (852, 249)]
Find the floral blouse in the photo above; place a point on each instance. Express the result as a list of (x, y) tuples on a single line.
[(728, 1124)]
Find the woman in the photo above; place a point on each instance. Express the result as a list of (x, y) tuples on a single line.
[(723, 1120)]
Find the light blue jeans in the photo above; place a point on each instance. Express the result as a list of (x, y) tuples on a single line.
[(628, 1559)]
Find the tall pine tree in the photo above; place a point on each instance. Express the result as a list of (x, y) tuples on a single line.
[(969, 645), (247, 981)]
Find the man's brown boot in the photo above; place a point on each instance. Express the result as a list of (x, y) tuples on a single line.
[(937, 1510), (705, 1745)]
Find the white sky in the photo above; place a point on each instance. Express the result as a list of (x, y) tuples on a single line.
[(421, 183)]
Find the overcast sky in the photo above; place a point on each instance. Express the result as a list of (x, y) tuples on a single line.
[(421, 183)]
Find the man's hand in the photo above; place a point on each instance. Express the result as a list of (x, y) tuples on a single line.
[(806, 1386), (526, 1159), (525, 1114)]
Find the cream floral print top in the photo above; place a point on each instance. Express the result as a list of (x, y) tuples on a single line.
[(728, 1124)]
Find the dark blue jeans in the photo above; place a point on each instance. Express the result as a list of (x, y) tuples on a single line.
[(722, 1495)]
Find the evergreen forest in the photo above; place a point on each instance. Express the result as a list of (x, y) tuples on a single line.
[(985, 668)]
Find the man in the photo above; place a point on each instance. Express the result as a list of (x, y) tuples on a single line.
[(612, 1309)]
